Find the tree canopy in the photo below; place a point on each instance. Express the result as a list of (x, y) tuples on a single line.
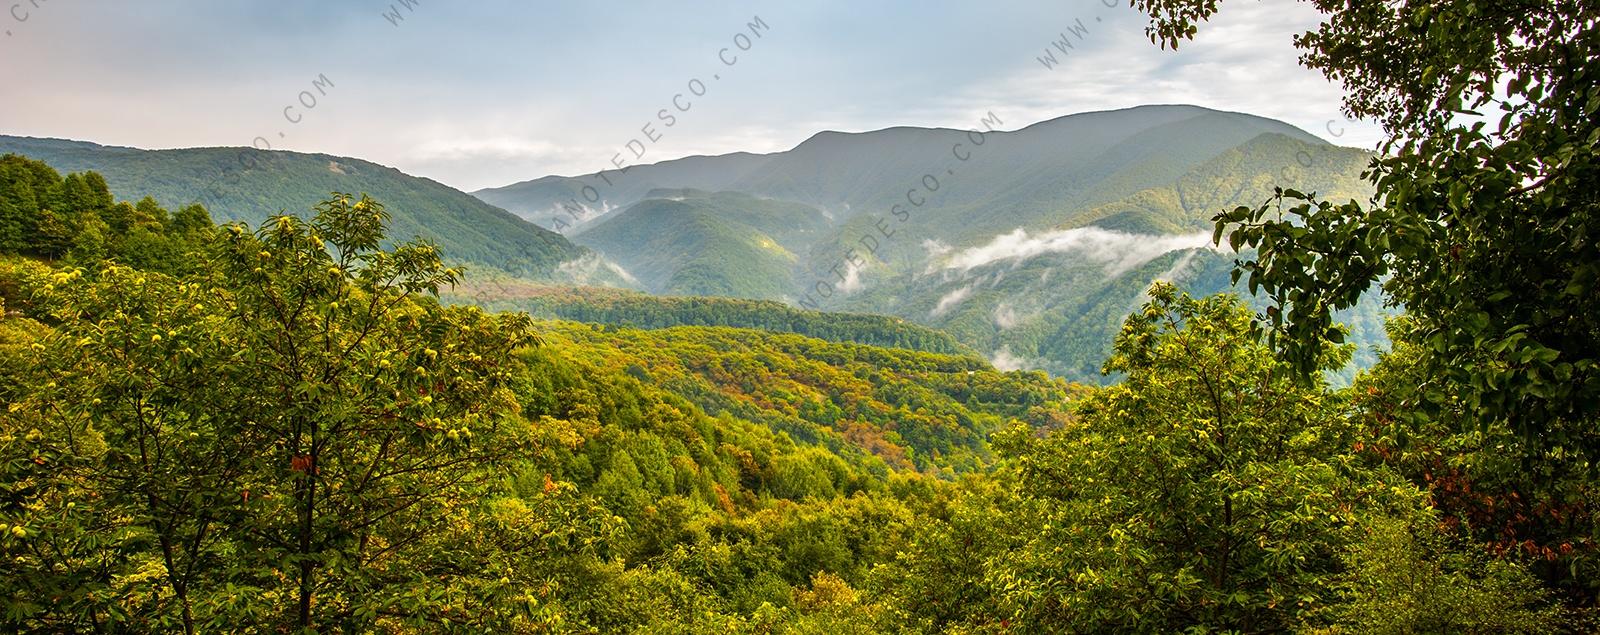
[(1484, 220)]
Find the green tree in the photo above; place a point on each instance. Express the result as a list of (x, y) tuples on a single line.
[(24, 188), (1484, 222), (1483, 227), (291, 425), (1207, 492), (1403, 576)]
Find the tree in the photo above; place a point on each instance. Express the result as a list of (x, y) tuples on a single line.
[(24, 184), (1404, 577), (1483, 227), (1485, 218), (292, 424), (1208, 492)]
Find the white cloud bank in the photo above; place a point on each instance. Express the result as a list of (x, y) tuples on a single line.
[(1003, 360), (952, 299), (587, 270), (1120, 252)]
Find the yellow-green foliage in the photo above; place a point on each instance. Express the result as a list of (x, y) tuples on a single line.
[(289, 432)]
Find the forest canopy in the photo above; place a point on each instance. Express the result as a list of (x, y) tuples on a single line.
[(283, 429)]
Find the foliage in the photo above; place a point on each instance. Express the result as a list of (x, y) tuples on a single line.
[(906, 409), (281, 433), (1205, 493), (1482, 225), (281, 430), (43, 214), (1482, 229), (292, 436), (637, 310), (1404, 578), (1515, 497), (252, 186), (941, 581)]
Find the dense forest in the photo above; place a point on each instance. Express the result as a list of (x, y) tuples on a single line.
[(281, 428), (250, 185), (638, 310)]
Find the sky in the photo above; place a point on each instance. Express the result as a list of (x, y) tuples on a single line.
[(494, 92)]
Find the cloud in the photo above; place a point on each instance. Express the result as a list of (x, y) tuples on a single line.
[(952, 299), (852, 278), (462, 92), (1005, 361), (1005, 315), (1242, 60), (588, 270), (1120, 252)]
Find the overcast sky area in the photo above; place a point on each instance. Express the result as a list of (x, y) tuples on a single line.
[(494, 92)]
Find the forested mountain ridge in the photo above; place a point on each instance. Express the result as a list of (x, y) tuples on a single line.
[(632, 309), (1034, 267), (694, 243), (244, 184), (690, 242), (289, 412), (848, 174), (283, 428), (580, 460)]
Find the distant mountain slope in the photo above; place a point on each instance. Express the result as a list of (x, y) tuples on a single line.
[(1029, 246), (1013, 175), (695, 243), (237, 184), (545, 200), (632, 309), (1054, 298), (1244, 175)]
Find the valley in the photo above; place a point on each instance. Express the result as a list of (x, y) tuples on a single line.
[(1090, 208), (880, 324)]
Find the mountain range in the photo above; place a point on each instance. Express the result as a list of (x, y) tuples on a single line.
[(244, 184), (1027, 246)]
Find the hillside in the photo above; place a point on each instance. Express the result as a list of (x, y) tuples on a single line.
[(696, 243), (236, 184), (1013, 177), (173, 440), (1031, 251), (1053, 298), (910, 410), (632, 309)]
